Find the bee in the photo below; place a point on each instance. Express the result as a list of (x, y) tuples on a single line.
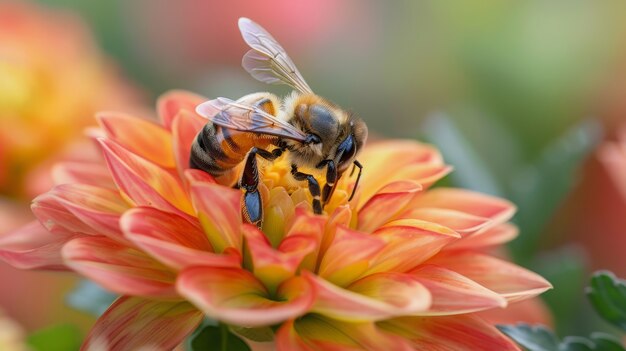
[(313, 132)]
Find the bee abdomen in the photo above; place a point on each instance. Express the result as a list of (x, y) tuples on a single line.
[(208, 153)]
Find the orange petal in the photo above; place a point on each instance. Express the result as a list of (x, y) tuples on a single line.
[(449, 333), (409, 242), (387, 203), (453, 293), (460, 222), (349, 256), (134, 323), (235, 296), (173, 240), (83, 173), (273, 266), (140, 136), (317, 333), (493, 236), (219, 212), (33, 246), (425, 174), (185, 128), (145, 183), (119, 268), (375, 297), (98, 208), (172, 102), (382, 162), (507, 279), (58, 219), (531, 311), (473, 203)]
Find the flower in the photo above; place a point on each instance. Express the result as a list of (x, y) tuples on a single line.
[(399, 267), (53, 80)]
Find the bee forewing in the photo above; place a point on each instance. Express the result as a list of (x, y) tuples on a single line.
[(238, 116), (267, 61)]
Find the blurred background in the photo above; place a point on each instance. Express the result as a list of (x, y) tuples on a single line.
[(527, 100)]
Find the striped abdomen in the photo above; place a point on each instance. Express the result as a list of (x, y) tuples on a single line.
[(217, 150)]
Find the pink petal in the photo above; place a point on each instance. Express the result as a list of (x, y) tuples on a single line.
[(349, 256), (460, 222), (145, 183), (449, 333), (134, 323), (98, 208), (140, 136), (318, 333), (375, 297), (409, 242), (119, 268), (531, 311), (95, 174), (173, 240), (507, 279), (425, 174), (33, 247), (304, 224), (172, 102), (387, 203), (219, 212), (490, 237), (453, 293), (273, 266), (473, 203), (235, 296), (185, 128), (56, 218)]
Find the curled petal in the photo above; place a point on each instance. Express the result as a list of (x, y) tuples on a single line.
[(387, 203), (33, 246), (448, 333), (134, 323), (273, 266), (95, 174), (236, 296), (453, 293), (507, 279), (172, 102), (278, 213), (141, 136), (349, 256), (173, 240), (375, 297), (493, 236), (317, 333), (185, 128), (409, 242), (473, 203), (219, 212), (145, 183), (119, 268)]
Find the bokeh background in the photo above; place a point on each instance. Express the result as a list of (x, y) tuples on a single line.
[(527, 100)]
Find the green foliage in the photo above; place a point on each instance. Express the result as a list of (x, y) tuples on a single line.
[(607, 294), (63, 337), (211, 337), (539, 338)]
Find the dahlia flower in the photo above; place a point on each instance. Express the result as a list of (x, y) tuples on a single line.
[(399, 267), (53, 80)]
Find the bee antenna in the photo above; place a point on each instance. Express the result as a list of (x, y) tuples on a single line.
[(358, 177)]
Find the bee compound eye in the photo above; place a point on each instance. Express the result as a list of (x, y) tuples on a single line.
[(312, 139)]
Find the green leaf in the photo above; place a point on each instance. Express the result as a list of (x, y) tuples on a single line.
[(90, 297), (63, 337), (216, 338), (539, 338), (607, 294), (533, 338)]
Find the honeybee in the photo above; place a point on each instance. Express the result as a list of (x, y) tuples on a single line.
[(315, 133)]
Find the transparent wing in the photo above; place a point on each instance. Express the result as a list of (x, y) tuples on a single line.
[(268, 61), (238, 116)]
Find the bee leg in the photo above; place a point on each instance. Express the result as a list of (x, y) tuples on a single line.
[(252, 207), (331, 180), (314, 187)]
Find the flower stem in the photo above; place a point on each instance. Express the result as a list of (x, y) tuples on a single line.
[(224, 332)]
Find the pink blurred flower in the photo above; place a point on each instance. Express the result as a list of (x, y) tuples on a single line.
[(53, 80), (400, 267)]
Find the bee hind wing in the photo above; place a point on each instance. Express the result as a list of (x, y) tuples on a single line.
[(243, 117), (268, 62)]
